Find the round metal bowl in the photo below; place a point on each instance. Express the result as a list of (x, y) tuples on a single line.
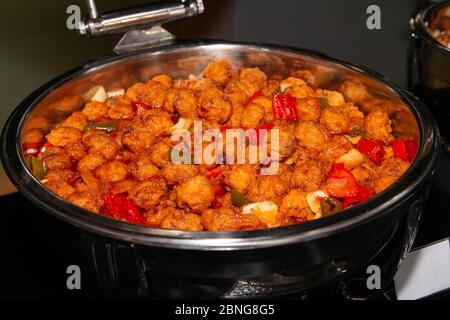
[(429, 66), (301, 255)]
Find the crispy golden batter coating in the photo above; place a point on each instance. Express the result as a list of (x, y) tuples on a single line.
[(119, 108), (102, 143), (62, 136), (218, 71), (294, 205), (223, 219), (76, 120), (148, 194), (112, 171), (177, 173), (181, 220), (55, 158), (94, 110), (239, 177), (308, 176), (196, 193), (271, 188), (335, 120), (88, 199), (312, 135), (308, 109), (378, 126)]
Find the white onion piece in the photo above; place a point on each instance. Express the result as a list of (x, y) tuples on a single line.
[(351, 159), (313, 199), (96, 93), (115, 93)]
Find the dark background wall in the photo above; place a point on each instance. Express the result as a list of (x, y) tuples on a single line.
[(36, 45)]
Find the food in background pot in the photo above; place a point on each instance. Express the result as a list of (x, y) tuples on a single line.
[(439, 26)]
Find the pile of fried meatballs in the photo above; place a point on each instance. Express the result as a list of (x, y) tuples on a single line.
[(336, 149)]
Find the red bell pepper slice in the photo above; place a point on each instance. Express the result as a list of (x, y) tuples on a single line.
[(284, 107), (363, 195), (340, 182), (399, 147), (215, 172), (411, 148), (373, 149), (31, 149), (120, 207)]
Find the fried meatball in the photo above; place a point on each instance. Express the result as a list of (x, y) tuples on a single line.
[(65, 175), (252, 115), (181, 220), (159, 153), (163, 79), (103, 143), (354, 91), (60, 187), (270, 88), (143, 168), (213, 104), (286, 143), (94, 110), (300, 91), (55, 158), (223, 219), (335, 120), (235, 92), (307, 176), (267, 188), (62, 136), (75, 151), (378, 126), (197, 193), (90, 162), (149, 194), (77, 120), (139, 138), (119, 108), (308, 109), (88, 199), (252, 80), (157, 121), (312, 135), (154, 218), (112, 171), (152, 93), (218, 71), (177, 173), (294, 205), (239, 177), (185, 104)]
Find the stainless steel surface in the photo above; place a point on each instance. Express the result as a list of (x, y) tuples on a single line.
[(139, 39), (92, 9), (138, 17)]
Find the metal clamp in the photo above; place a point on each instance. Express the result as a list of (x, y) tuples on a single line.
[(141, 24)]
